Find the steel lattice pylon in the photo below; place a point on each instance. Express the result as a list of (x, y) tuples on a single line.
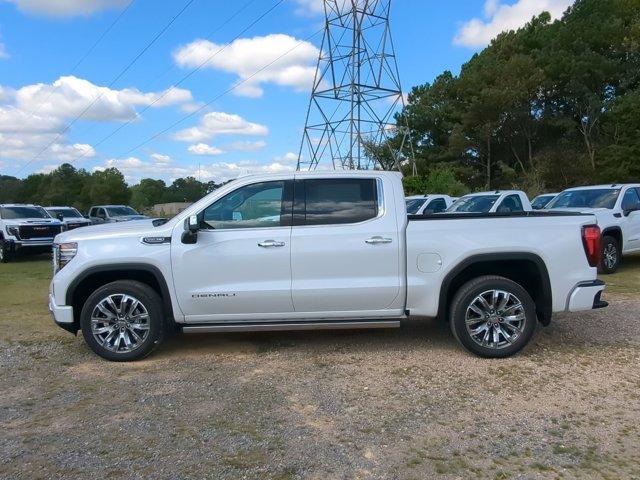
[(356, 89)]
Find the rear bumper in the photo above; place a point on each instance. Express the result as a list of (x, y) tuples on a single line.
[(62, 315), (586, 296)]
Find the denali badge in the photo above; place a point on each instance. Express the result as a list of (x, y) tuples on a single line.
[(213, 295)]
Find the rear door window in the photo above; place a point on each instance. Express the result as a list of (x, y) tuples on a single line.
[(336, 201)]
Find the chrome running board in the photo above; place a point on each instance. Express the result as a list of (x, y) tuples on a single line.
[(283, 326)]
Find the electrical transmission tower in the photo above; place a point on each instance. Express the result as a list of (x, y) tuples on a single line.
[(356, 90)]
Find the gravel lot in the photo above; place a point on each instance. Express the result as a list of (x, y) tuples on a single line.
[(404, 404)]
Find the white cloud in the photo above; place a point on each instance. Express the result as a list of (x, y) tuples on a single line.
[(499, 17), (287, 159), (64, 8), (159, 158), (245, 56), (219, 123), (16, 120), (245, 146), (204, 149), (26, 145), (135, 169), (69, 96), (3, 52)]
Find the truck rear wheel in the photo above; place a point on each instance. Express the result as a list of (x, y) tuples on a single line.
[(493, 316), (123, 321), (610, 255)]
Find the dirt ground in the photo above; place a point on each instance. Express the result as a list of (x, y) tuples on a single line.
[(398, 404)]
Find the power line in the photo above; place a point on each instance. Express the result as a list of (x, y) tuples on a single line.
[(84, 57), (188, 75), (217, 97), (122, 72)]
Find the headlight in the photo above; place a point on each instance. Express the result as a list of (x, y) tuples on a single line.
[(63, 253), (13, 231)]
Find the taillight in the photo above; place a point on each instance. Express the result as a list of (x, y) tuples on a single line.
[(591, 242)]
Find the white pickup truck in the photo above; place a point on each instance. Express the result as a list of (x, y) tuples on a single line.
[(617, 209), (503, 201), (322, 251), (428, 204)]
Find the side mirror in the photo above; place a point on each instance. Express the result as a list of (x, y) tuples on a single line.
[(191, 227), (428, 211), (60, 217)]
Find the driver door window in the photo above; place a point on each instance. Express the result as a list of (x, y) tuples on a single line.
[(630, 201), (437, 206), (260, 205)]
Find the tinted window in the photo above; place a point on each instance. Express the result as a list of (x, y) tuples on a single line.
[(121, 211), (540, 201), (253, 206), (511, 203), (414, 205), (475, 204), (340, 201), (65, 212), (11, 213), (588, 198), (630, 201), (437, 206)]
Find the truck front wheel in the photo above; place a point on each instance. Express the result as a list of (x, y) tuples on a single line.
[(123, 320), (493, 316)]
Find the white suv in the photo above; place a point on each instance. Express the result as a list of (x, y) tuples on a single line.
[(617, 208), (26, 228)]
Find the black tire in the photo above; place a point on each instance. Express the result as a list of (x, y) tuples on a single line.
[(4, 252), (610, 255), (462, 303), (151, 303)]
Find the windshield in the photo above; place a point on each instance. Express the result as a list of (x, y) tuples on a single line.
[(65, 212), (414, 205), (475, 204), (121, 211), (13, 213), (541, 201), (588, 198)]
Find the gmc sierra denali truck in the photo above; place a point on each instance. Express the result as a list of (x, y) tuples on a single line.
[(617, 209), (26, 228), (322, 251)]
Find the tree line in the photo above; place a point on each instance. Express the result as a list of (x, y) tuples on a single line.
[(551, 105), (67, 185)]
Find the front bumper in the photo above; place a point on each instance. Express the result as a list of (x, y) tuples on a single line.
[(586, 296), (15, 245), (62, 315)]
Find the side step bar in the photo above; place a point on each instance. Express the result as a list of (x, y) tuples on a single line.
[(283, 326)]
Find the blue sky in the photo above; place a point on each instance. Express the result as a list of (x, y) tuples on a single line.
[(256, 127)]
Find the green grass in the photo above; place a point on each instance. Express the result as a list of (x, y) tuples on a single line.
[(626, 281), (24, 283)]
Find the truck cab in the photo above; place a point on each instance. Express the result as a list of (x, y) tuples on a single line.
[(26, 228), (69, 216), (428, 204), (497, 201), (113, 214)]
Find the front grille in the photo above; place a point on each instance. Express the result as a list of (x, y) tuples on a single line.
[(28, 232), (71, 226)]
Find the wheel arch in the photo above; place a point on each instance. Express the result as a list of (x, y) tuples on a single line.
[(94, 277), (615, 232), (526, 269)]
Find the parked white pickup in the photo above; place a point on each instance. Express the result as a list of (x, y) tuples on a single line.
[(428, 204), (322, 250), (617, 208)]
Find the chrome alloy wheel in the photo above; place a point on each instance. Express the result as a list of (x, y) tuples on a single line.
[(610, 256), (120, 323), (495, 319)]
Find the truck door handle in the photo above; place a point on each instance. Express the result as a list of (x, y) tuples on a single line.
[(270, 244), (377, 240)]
